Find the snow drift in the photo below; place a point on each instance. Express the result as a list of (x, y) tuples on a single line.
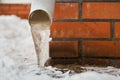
[(18, 58)]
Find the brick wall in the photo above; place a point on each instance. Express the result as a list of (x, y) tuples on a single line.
[(86, 31), (21, 10)]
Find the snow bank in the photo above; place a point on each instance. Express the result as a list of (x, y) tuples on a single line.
[(15, 39), (18, 58)]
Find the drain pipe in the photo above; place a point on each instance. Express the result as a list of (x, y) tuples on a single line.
[(40, 19)]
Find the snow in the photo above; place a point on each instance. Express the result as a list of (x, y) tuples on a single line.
[(18, 57), (94, 76)]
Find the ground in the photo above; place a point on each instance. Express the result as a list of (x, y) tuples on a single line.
[(18, 57)]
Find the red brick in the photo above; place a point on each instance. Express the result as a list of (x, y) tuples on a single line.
[(101, 10), (25, 13), (21, 10), (117, 30), (95, 62), (66, 11), (9, 13), (101, 48), (80, 30), (63, 49), (4, 7), (17, 6)]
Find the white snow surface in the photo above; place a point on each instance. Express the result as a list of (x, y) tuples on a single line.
[(18, 57)]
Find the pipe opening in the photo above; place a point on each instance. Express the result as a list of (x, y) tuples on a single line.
[(39, 20)]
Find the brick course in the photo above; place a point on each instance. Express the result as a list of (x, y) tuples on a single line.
[(101, 10), (101, 48), (80, 30), (21, 10)]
